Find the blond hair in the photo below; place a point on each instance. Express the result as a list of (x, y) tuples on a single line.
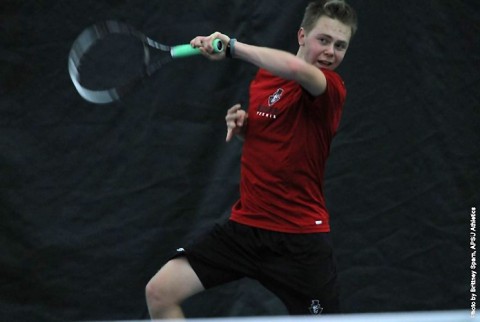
[(335, 9)]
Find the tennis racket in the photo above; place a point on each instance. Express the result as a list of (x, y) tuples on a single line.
[(109, 58)]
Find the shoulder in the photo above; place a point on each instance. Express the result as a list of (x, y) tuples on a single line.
[(335, 85), (333, 78)]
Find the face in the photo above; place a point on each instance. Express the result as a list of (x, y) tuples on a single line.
[(326, 44)]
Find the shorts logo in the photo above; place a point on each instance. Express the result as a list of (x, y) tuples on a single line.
[(315, 307)]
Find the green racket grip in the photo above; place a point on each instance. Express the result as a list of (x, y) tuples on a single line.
[(187, 50)]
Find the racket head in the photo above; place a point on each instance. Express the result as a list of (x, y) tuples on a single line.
[(100, 43), (116, 55)]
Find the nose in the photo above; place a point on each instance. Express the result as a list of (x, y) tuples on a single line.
[(330, 50)]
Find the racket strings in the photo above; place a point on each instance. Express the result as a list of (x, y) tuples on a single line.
[(102, 71)]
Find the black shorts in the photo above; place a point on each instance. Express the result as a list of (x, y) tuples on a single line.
[(298, 268)]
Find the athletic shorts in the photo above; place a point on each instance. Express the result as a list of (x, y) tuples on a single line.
[(298, 268)]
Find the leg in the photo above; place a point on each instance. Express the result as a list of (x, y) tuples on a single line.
[(304, 276), (175, 282)]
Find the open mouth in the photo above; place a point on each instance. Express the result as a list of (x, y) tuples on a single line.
[(324, 63)]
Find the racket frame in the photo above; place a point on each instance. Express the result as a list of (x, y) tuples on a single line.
[(89, 36)]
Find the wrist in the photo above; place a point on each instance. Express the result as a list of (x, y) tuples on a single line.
[(230, 51)]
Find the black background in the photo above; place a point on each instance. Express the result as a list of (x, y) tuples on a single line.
[(93, 199)]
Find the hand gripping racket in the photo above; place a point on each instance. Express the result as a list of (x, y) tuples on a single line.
[(109, 58)]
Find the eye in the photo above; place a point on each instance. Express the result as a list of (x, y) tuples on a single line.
[(341, 46), (324, 41)]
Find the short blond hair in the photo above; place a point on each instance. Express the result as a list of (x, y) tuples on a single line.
[(335, 9)]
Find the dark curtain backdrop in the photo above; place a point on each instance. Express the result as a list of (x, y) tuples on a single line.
[(93, 199)]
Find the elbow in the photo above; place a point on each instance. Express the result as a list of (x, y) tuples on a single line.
[(295, 68), (308, 76)]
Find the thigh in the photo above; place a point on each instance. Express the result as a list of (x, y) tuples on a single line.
[(323, 300), (177, 280), (224, 254), (304, 275)]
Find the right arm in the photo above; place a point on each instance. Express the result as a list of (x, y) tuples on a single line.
[(278, 62), (284, 65)]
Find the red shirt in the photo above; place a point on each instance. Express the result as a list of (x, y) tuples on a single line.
[(287, 142)]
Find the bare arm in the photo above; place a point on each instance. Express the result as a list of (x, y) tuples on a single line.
[(278, 62), (285, 65)]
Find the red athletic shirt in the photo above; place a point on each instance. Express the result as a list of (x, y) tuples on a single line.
[(287, 141)]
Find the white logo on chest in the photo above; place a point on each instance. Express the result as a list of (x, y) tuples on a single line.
[(272, 99)]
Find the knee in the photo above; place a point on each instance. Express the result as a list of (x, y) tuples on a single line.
[(156, 294), (161, 303), (174, 282)]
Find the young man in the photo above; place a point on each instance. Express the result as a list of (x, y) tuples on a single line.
[(278, 232)]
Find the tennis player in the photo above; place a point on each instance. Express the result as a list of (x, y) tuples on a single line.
[(278, 232)]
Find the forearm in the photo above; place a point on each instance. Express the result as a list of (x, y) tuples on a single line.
[(284, 65), (280, 63)]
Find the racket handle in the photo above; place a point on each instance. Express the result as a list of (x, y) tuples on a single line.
[(187, 50)]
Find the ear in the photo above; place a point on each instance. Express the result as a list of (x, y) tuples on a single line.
[(301, 36)]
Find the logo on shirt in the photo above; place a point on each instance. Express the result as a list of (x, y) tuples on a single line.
[(270, 111), (272, 99)]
